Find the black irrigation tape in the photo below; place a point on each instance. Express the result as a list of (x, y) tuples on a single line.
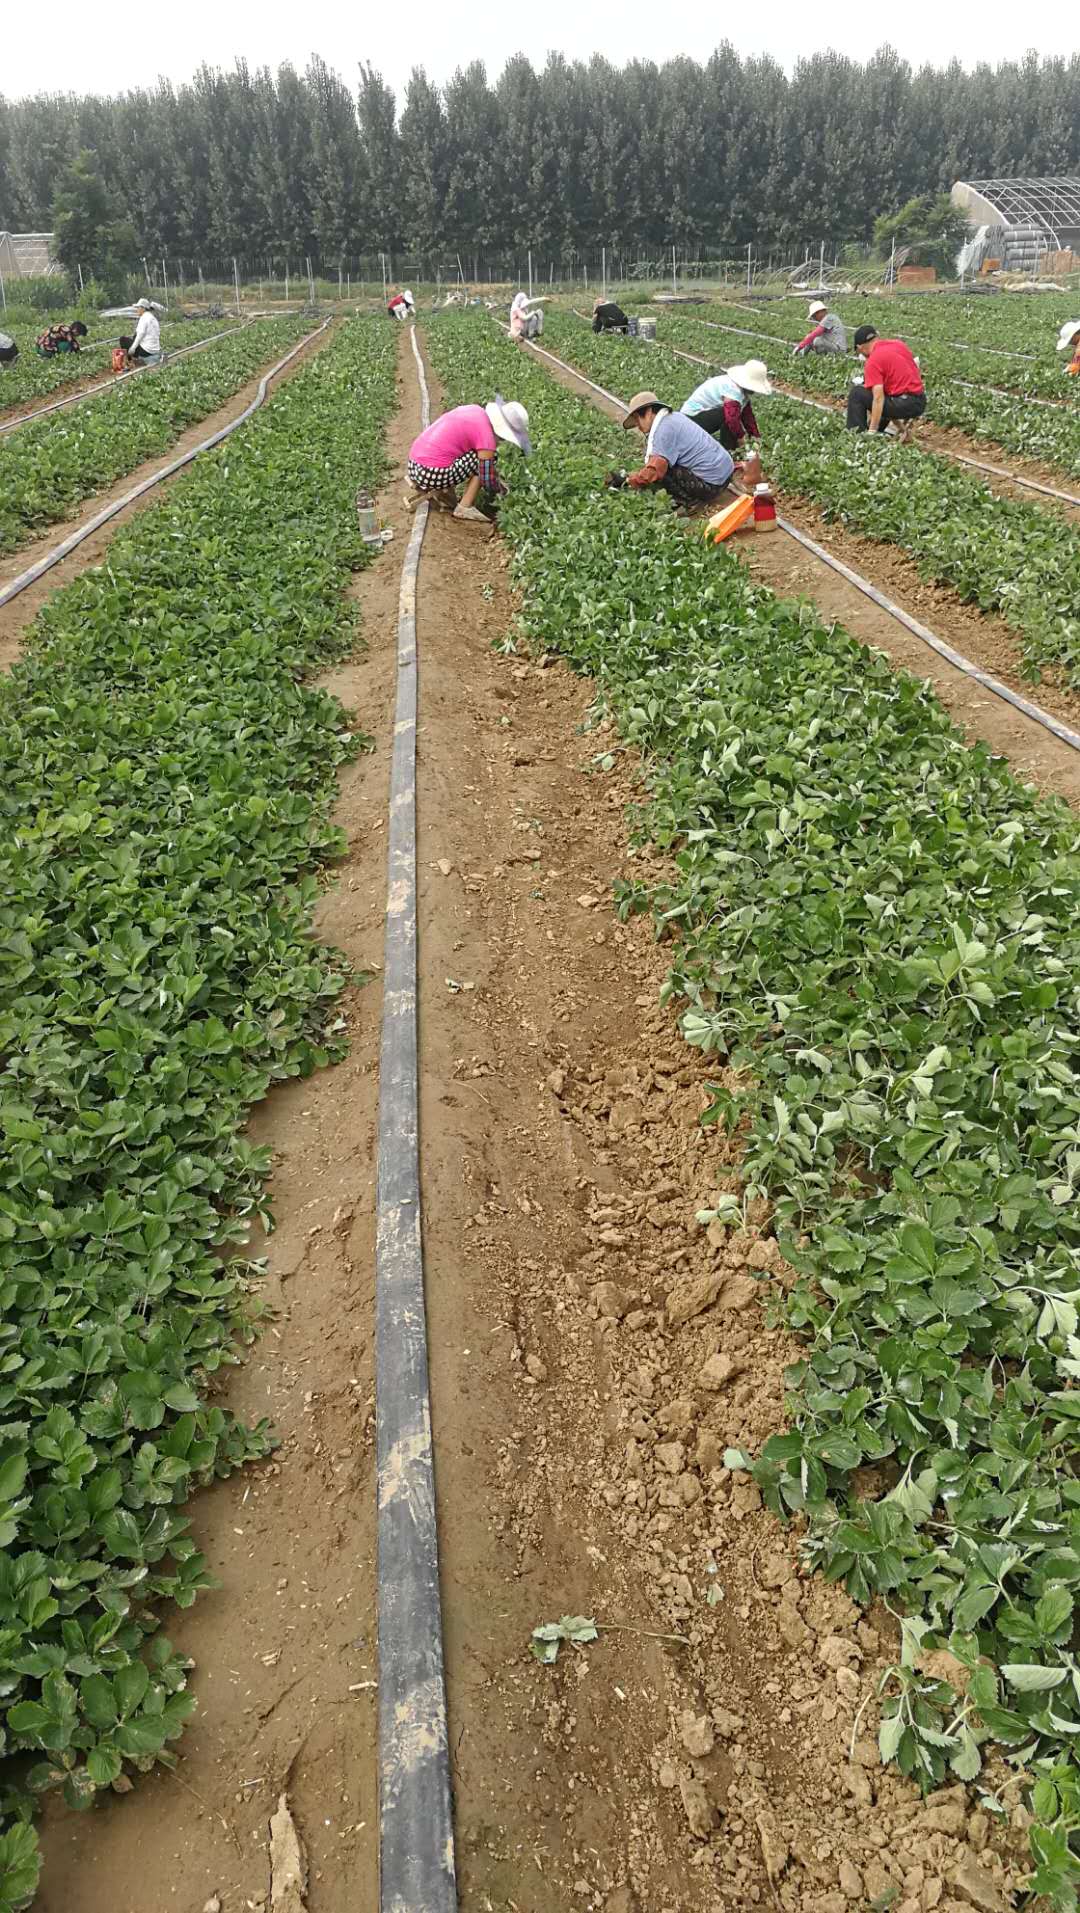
[(63, 550), (110, 384), (416, 1836), (920, 631)]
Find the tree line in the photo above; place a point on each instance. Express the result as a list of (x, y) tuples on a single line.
[(708, 157)]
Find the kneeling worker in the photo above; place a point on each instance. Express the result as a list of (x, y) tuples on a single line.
[(721, 405), (1069, 341), (680, 458), (460, 448), (608, 317), (60, 338), (829, 334), (892, 387), (145, 342)]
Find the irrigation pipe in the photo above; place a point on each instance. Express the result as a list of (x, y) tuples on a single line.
[(955, 658), (958, 458), (107, 385), (917, 630), (416, 1836), (956, 345), (76, 538)]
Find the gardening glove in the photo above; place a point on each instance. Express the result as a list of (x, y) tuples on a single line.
[(615, 481)]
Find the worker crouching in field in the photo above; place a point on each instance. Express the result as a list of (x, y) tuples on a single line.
[(680, 458), (891, 390), (608, 317), (523, 323), (144, 345), (9, 351), (721, 405), (461, 448), (59, 339), (829, 335), (1069, 341)]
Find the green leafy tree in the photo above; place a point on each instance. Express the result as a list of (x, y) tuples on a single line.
[(90, 229), (929, 226)]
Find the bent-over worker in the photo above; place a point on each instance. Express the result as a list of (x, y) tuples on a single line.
[(523, 323), (145, 342), (60, 338), (829, 334), (721, 404), (608, 317), (400, 305), (9, 351), (1069, 341), (461, 448), (892, 387), (680, 458)]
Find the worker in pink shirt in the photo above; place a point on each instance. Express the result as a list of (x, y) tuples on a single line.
[(461, 448)]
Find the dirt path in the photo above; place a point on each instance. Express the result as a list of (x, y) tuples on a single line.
[(20, 613), (592, 1350), (985, 640)]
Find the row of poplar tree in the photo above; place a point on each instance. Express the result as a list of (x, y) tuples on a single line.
[(706, 156)]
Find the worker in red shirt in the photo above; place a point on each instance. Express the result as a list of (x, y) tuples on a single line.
[(892, 389)]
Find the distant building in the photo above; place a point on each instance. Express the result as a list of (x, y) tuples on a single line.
[(1023, 224), (25, 255)]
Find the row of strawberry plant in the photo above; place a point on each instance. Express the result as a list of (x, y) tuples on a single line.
[(32, 377), (47, 467), (1051, 434), (1016, 559), (940, 339), (167, 782), (877, 931)]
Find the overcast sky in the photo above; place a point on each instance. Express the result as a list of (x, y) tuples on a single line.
[(88, 49)]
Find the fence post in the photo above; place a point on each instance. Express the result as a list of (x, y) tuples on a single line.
[(3, 294), (749, 249), (82, 288), (603, 272), (236, 283), (674, 277), (165, 284), (311, 283)]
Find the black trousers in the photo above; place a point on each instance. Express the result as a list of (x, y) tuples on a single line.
[(712, 421), (901, 405)]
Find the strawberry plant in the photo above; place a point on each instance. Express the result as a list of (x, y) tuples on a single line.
[(959, 394), (168, 778), (875, 928), (48, 466), (1021, 561), (31, 377)]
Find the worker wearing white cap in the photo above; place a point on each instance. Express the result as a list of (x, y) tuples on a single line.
[(145, 343), (1069, 341), (829, 333), (461, 448), (721, 404)]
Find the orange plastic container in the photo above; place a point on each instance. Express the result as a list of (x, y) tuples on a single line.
[(732, 518)]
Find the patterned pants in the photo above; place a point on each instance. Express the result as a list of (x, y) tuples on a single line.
[(688, 489), (443, 478)]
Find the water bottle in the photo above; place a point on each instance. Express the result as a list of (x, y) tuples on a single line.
[(365, 513)]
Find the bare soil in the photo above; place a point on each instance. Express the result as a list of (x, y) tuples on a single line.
[(592, 1352), (20, 613)]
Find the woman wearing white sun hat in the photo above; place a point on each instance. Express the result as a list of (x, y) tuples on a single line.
[(829, 333), (1069, 341), (461, 448), (721, 405)]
